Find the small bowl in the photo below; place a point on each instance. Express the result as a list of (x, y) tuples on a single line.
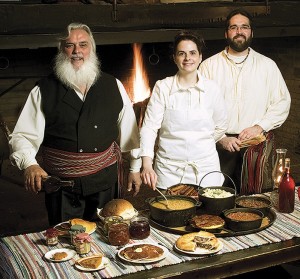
[(216, 206), (243, 225), (261, 203)]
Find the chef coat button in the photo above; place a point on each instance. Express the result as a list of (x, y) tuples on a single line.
[(80, 150), (95, 148), (95, 126)]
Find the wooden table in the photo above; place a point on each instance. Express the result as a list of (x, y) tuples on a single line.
[(22, 256)]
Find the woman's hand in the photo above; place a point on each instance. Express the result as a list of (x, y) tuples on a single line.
[(148, 175)]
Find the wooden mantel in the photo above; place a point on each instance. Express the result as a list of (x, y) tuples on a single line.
[(38, 25)]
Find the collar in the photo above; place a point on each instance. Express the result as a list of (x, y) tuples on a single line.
[(176, 88)]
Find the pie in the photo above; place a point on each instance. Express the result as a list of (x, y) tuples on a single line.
[(142, 252), (201, 239), (58, 256), (92, 262), (207, 222)]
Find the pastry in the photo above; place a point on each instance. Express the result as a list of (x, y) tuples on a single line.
[(58, 256), (89, 226), (92, 262), (202, 239)]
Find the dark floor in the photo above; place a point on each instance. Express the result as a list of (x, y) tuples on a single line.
[(23, 212)]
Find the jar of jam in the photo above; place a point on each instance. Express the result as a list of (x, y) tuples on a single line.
[(51, 236), (111, 220), (82, 243), (74, 230), (118, 234), (139, 227)]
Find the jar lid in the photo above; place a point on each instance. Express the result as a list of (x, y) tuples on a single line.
[(51, 232), (83, 237), (77, 228)]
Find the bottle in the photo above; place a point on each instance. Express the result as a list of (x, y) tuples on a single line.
[(286, 202), (277, 174)]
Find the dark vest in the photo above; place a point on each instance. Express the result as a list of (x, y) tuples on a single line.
[(77, 126)]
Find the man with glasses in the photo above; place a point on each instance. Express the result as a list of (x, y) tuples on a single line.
[(257, 99)]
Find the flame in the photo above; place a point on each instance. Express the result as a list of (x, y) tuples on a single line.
[(139, 78)]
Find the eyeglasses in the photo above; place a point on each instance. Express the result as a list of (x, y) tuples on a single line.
[(242, 27)]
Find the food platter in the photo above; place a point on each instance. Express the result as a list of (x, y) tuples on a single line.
[(268, 220), (143, 261), (70, 254), (104, 264), (200, 251)]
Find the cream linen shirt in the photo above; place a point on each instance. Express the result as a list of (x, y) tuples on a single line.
[(255, 94), (28, 133), (190, 122)]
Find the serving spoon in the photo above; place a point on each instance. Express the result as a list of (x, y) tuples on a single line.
[(168, 207)]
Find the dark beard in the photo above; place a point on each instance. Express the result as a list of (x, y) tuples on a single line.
[(239, 46)]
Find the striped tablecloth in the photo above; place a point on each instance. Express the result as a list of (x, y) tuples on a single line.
[(21, 256)]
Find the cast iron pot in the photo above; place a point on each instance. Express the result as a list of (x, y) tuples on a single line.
[(216, 206), (172, 217), (243, 225), (265, 210)]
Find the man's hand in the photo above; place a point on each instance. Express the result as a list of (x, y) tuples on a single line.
[(230, 144), (250, 132), (33, 176), (134, 182)]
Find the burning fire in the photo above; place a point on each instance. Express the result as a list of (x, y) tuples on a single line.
[(139, 78)]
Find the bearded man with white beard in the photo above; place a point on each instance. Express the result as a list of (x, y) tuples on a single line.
[(80, 120)]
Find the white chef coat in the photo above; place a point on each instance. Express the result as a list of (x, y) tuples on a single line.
[(190, 122), (28, 133), (255, 94)]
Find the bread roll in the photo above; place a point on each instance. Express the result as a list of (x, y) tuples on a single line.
[(118, 207)]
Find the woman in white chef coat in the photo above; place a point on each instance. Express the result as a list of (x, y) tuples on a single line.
[(187, 112)]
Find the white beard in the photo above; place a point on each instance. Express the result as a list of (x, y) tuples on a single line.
[(87, 74)]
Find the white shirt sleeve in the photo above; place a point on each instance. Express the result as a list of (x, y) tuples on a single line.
[(28, 134)]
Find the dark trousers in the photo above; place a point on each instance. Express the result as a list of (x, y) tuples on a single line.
[(65, 205), (231, 164)]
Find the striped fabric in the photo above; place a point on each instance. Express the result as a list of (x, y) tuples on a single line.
[(21, 256)]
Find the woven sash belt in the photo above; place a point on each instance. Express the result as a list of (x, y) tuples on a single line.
[(71, 164)]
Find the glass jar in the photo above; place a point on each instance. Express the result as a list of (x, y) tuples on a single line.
[(139, 227), (51, 236), (111, 220), (82, 243), (118, 234), (277, 173), (74, 230)]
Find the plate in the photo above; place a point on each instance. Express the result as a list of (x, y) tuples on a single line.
[(200, 251), (65, 231), (104, 264), (144, 261), (70, 254)]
